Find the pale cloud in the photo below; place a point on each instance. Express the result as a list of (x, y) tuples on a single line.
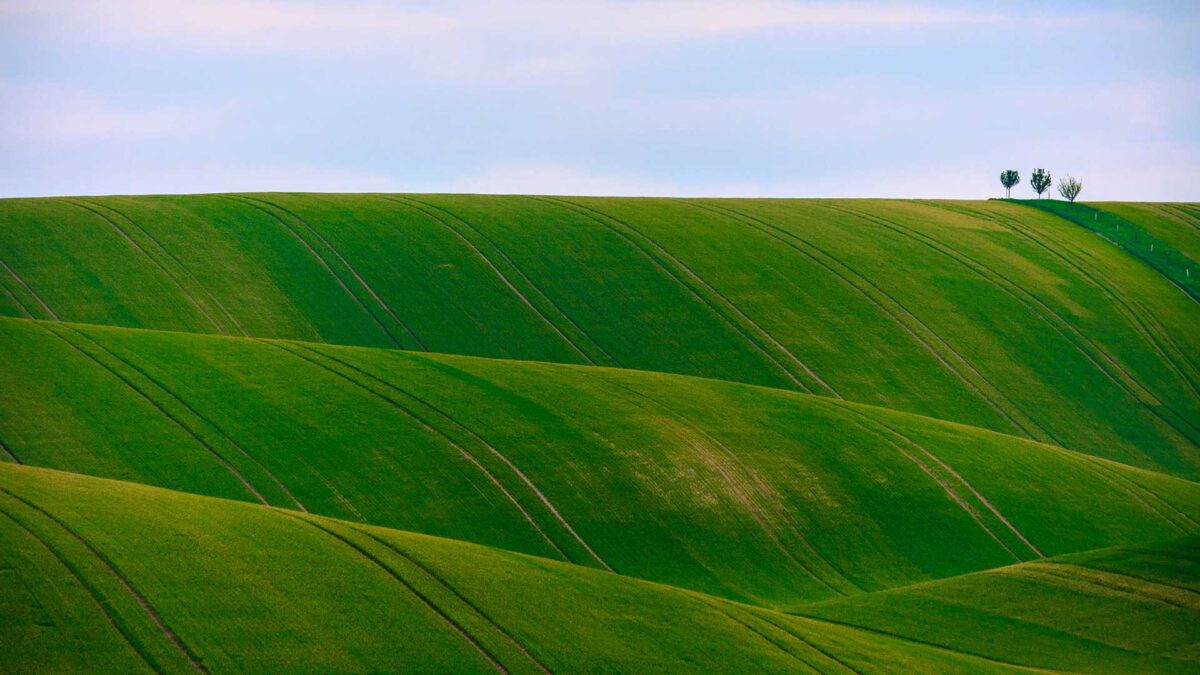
[(54, 114)]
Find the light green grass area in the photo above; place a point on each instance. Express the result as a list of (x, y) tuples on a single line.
[(173, 582), (750, 493), (986, 313), (1129, 609)]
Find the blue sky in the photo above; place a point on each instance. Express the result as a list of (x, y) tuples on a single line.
[(661, 97)]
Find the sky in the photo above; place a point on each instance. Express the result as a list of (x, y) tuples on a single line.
[(618, 97)]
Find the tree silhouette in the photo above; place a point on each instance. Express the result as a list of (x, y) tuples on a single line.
[(1069, 188), (1040, 181), (1009, 178)]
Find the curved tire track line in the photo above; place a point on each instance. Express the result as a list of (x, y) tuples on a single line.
[(1100, 580), (427, 210), (462, 451), (993, 277), (603, 219), (348, 266), (738, 215), (24, 285), (178, 262), (218, 456), (1100, 462), (91, 591), (153, 261), (16, 301), (1122, 483), (467, 601), (741, 465), (491, 448), (767, 618), (8, 451), (761, 635), (137, 595), (918, 641), (957, 476), (1156, 582), (303, 242), (1125, 307), (953, 495), (133, 366), (542, 294), (446, 618)]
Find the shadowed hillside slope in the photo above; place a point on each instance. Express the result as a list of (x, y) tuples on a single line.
[(746, 492), (986, 313), (1130, 609)]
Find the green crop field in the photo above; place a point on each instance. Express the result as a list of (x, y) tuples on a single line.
[(376, 432)]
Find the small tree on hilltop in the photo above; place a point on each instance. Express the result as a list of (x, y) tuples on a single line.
[(1069, 188), (1009, 178), (1040, 181)]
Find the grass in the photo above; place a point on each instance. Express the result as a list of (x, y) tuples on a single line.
[(297, 432), (1128, 609), (1163, 236), (167, 581), (745, 492), (985, 313)]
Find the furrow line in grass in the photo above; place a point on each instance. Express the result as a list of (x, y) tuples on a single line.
[(16, 301), (1123, 377), (763, 636), (967, 484), (329, 245), (8, 451), (1062, 327), (1109, 289), (603, 220), (942, 481), (428, 210), (779, 512), (1190, 217), (549, 505), (1156, 582), (1100, 462), (703, 283), (174, 258), (1101, 580), (218, 456), (446, 618), (462, 451), (137, 595), (303, 242), (449, 587), (917, 641), (26, 286), (521, 273), (766, 617), (179, 399), (1114, 479), (834, 266), (109, 612), (83, 206)]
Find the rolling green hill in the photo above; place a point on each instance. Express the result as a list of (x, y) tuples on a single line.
[(990, 314), (750, 493), (454, 433), (103, 575)]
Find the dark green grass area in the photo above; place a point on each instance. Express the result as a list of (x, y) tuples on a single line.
[(1129, 609), (985, 313), (1164, 236), (100, 575), (750, 493)]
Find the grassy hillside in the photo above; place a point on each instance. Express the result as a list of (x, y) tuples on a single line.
[(1131, 609), (986, 313), (106, 576), (1166, 237), (745, 492), (103, 575)]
